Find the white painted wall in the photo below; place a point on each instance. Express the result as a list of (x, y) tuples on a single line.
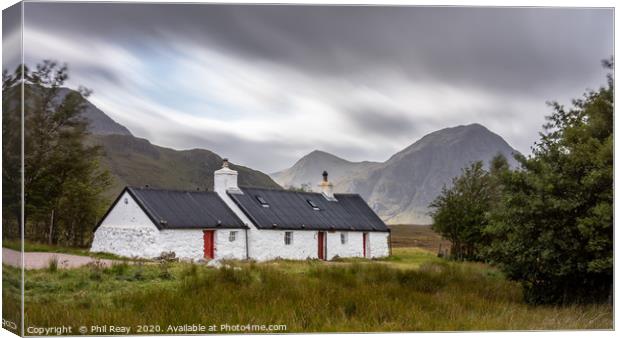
[(189, 243), (140, 242), (185, 243), (269, 244), (127, 214), (379, 244), (352, 248), (225, 249), (127, 231)]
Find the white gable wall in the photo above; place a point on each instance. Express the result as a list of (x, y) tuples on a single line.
[(379, 244), (127, 231)]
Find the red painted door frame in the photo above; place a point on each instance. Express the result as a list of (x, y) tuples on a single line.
[(209, 243), (364, 243), (321, 242)]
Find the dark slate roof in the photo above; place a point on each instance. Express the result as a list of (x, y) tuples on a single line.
[(175, 209), (291, 210)]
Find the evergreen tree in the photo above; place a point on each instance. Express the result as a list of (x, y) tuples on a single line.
[(553, 228), (62, 179), (460, 212)]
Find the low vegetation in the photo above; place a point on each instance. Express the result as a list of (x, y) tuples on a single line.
[(419, 236), (410, 291)]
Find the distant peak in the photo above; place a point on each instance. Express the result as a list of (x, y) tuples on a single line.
[(320, 153), (475, 125), (460, 129), (469, 126)]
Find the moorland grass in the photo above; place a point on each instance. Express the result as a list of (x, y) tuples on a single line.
[(311, 296)]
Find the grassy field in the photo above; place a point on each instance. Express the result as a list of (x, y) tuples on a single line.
[(419, 236), (411, 291)]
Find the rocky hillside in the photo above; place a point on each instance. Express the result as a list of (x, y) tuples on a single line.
[(401, 188), (99, 122), (136, 162)]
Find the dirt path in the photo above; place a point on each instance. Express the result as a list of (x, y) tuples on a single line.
[(40, 260)]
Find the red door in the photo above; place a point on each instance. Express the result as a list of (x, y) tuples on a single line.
[(365, 243), (321, 239), (209, 244)]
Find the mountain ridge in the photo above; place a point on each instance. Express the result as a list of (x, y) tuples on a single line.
[(401, 188), (137, 162)]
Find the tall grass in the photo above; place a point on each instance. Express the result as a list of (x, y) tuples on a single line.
[(315, 297), (52, 264)]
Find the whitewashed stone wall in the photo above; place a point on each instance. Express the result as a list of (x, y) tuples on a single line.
[(269, 244), (189, 243), (225, 249), (138, 242), (352, 248), (379, 246), (127, 231), (185, 243)]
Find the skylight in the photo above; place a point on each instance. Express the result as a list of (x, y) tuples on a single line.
[(262, 201), (313, 205)]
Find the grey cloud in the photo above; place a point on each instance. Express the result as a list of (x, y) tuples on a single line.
[(527, 49), (11, 26), (524, 54), (377, 122)]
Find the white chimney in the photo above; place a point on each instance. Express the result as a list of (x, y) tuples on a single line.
[(225, 179), (327, 188)]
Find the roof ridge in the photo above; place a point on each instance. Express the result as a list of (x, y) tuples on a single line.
[(170, 190), (282, 190), (348, 194)]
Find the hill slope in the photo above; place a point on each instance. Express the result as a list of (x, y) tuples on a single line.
[(401, 188), (136, 162), (98, 122)]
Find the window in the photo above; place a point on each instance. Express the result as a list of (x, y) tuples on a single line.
[(262, 201), (313, 205), (288, 237), (343, 238), (232, 236)]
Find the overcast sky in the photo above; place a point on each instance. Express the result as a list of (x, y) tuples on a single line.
[(264, 85)]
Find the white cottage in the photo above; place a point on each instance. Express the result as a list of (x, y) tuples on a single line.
[(235, 222)]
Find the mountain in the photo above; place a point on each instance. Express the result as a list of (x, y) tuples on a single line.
[(401, 188), (136, 162), (98, 122), (307, 171)]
